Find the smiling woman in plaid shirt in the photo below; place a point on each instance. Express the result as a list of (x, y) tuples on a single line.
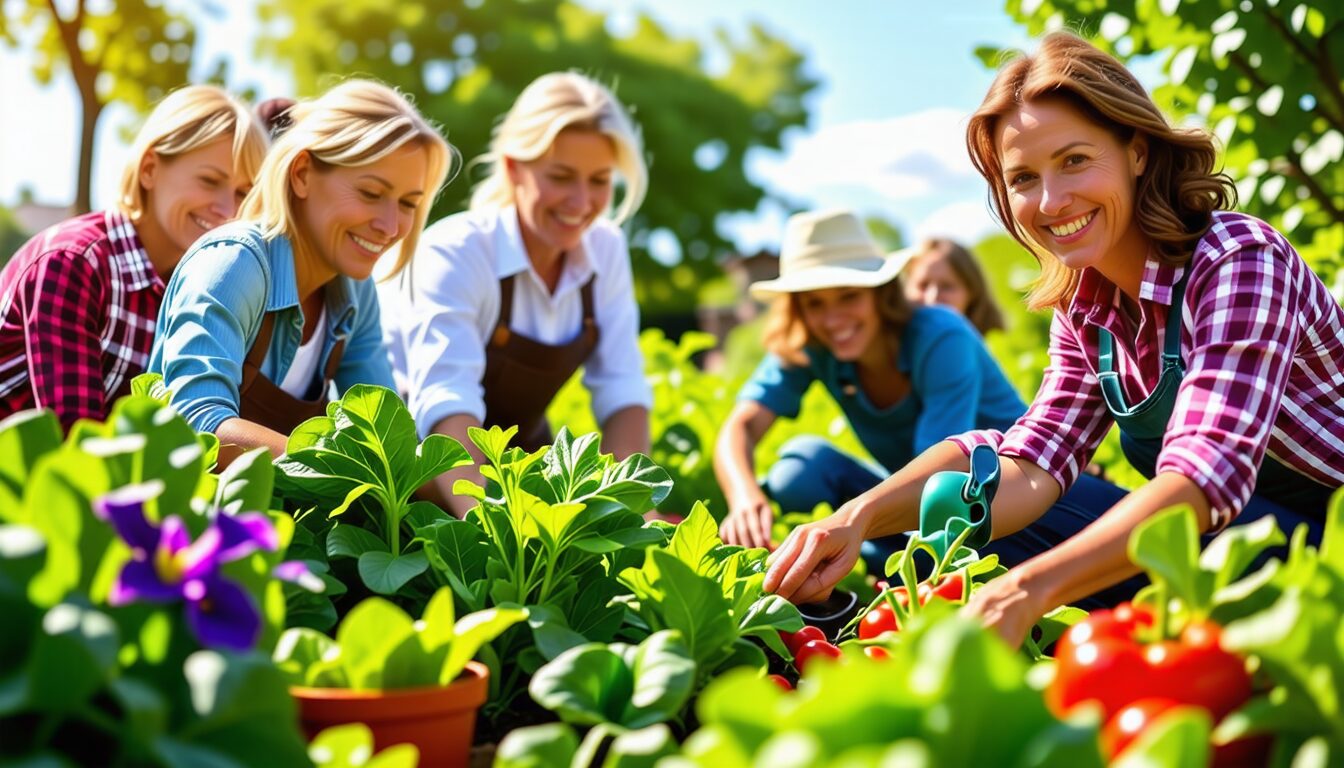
[(79, 300), (1200, 332)]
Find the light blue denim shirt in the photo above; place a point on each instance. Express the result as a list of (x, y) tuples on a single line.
[(212, 311)]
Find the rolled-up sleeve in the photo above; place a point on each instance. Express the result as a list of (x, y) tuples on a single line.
[(614, 373), (778, 386), (441, 331), (211, 313), (1243, 337), (1065, 422)]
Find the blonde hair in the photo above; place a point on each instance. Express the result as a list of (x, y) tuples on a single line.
[(354, 124), (185, 120), (1179, 188), (981, 309), (553, 103), (787, 337)]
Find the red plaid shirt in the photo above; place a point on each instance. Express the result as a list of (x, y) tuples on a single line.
[(1263, 345), (77, 309)]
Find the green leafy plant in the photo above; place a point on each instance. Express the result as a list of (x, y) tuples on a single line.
[(712, 594), (550, 530), (363, 454), (94, 669), (351, 746), (627, 686), (379, 647), (951, 693)]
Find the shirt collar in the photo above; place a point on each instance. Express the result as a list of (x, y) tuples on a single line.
[(512, 253), (1096, 295), (284, 294), (132, 262)]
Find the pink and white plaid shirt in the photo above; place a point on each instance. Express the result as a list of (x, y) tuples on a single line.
[(1263, 344), (78, 304)]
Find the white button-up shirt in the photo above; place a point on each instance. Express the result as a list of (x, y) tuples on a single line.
[(439, 314)]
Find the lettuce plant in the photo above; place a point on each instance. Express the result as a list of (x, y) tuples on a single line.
[(379, 647), (364, 455), (551, 529)]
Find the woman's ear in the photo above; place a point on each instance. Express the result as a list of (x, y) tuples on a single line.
[(149, 169), (300, 174), (511, 169), (1138, 154)]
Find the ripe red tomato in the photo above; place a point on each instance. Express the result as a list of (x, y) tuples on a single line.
[(1101, 659), (950, 588), (1132, 719), (811, 650), (781, 681), (876, 621), (876, 652), (795, 640)]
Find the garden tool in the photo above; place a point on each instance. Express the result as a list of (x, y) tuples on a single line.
[(953, 502)]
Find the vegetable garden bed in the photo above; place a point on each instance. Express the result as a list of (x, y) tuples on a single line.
[(158, 612)]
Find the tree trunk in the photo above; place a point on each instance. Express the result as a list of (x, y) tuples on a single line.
[(90, 110)]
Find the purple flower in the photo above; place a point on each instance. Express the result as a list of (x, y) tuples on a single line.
[(167, 566)]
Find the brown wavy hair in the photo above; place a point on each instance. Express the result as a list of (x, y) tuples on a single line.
[(1179, 189), (786, 335), (981, 310)]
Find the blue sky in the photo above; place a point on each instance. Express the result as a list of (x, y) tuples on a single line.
[(899, 79)]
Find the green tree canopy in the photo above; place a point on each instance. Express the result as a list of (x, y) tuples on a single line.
[(1264, 76), (465, 62), (129, 51)]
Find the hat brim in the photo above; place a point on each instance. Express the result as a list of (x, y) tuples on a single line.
[(818, 278)]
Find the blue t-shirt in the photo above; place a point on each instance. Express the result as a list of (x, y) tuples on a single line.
[(955, 386)]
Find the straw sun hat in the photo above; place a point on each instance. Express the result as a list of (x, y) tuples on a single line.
[(829, 249)]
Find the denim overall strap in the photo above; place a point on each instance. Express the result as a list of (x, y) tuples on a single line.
[(1148, 419)]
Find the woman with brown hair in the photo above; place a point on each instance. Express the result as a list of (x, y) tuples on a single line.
[(1199, 331), (943, 272), (905, 376)]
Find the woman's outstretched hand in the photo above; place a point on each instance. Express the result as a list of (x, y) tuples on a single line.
[(749, 521), (814, 558)]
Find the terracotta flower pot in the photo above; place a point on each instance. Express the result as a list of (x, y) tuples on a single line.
[(438, 720)]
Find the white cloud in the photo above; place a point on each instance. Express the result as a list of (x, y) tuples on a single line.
[(965, 221), (898, 159)]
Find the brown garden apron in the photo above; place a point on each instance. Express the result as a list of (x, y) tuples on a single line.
[(263, 402), (523, 375)]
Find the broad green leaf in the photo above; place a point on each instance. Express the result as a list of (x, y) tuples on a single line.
[(551, 632), (672, 596), (436, 625), (538, 746), (75, 656), (1167, 546), (626, 538), (246, 484), (351, 746), (471, 632), (492, 442), (244, 710), (367, 635), (640, 749), (436, 455), (664, 677), (150, 385), (1232, 551), (695, 538), (300, 648), (145, 709), (25, 437), (352, 541), (457, 551), (385, 573), (585, 685), (637, 482)]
